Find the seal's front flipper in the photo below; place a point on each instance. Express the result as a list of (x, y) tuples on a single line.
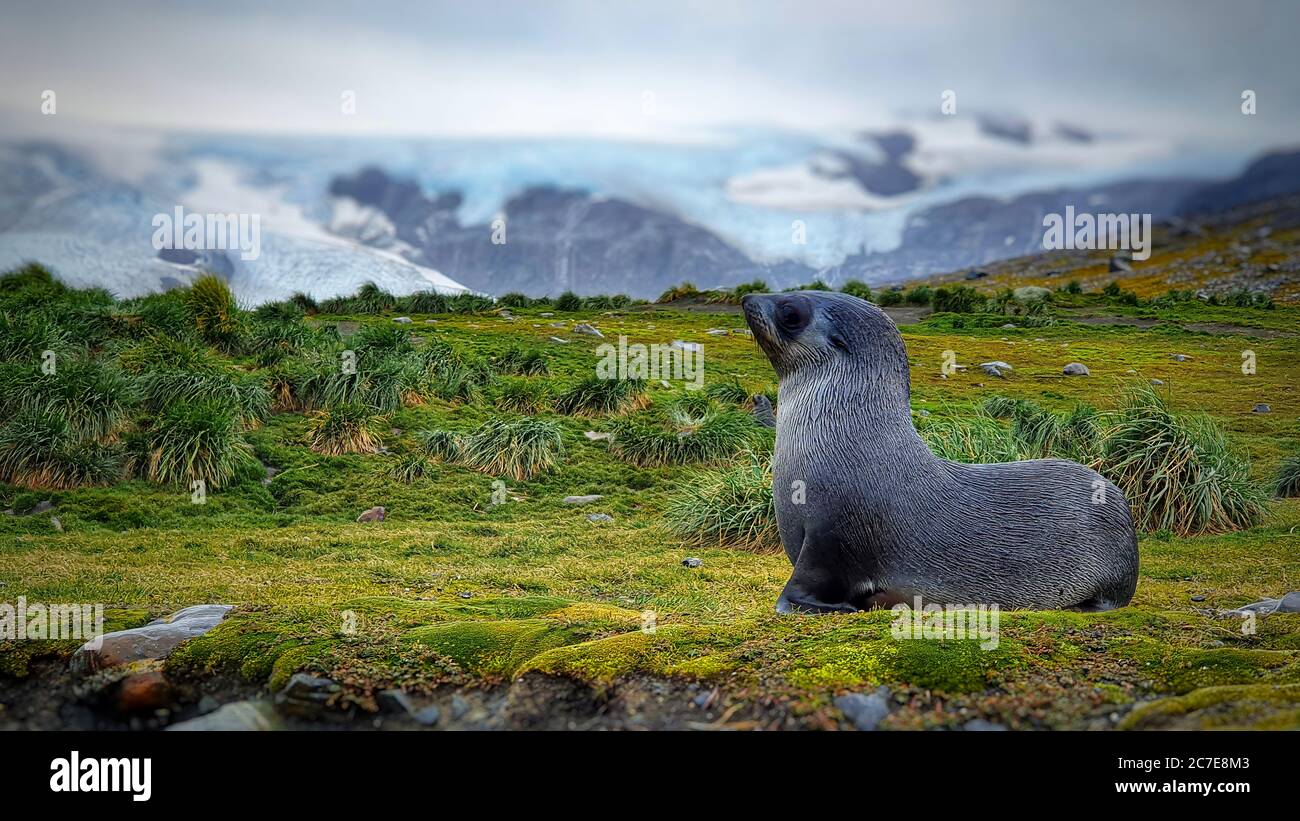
[(812, 589)]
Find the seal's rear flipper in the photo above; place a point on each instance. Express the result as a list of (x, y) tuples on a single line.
[(813, 590)]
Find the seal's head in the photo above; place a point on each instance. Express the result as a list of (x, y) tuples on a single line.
[(802, 330)]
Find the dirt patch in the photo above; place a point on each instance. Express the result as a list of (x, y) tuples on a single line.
[(908, 314), (1242, 330), (1128, 321)]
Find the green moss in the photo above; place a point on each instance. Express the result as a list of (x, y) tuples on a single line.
[(1251, 706), (493, 648)]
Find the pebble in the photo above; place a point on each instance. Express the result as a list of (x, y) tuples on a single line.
[(865, 711), (1259, 408), (374, 514), (600, 517), (691, 561), (582, 500), (1076, 369)]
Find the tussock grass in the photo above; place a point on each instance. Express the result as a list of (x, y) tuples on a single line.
[(38, 451), (1287, 483), (520, 395), (342, 429), (94, 398), (694, 432), (523, 362), (519, 449), (410, 468), (594, 396), (978, 440), (440, 444), (1179, 473), (728, 508), (200, 440), (729, 391), (217, 317)]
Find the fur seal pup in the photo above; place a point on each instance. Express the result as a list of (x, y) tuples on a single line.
[(879, 519)]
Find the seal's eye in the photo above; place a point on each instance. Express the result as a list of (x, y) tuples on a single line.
[(791, 315)]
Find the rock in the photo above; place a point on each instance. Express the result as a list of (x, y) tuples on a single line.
[(762, 411), (459, 707), (427, 716), (979, 725), (430, 322), (57, 525), (1008, 326), (976, 274), (546, 313), (992, 369), (43, 506), (1259, 408), (587, 330), (600, 517), (923, 413), (207, 704), (716, 332), (691, 347), (865, 711), (691, 561), (1290, 603), (556, 339), (1179, 357), (144, 692), (1157, 381), (240, 715), (582, 500), (155, 640), (1198, 598), (394, 701), (374, 514), (1120, 265), (598, 436), (465, 594), (1076, 369), (1027, 294), (402, 320), (306, 696)]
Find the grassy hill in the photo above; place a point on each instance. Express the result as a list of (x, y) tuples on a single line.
[(479, 577)]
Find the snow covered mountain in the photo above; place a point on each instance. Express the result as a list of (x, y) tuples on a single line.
[(904, 199)]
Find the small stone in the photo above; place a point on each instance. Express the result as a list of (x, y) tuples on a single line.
[(923, 413), (691, 561), (402, 320), (1259, 408), (598, 436), (992, 370), (1179, 357), (57, 525), (207, 704), (43, 506), (600, 517), (306, 696), (1076, 369), (546, 313), (430, 322), (1157, 381), (143, 692), (240, 715), (1008, 326), (587, 330), (394, 701), (374, 514), (716, 332), (427, 716), (582, 500), (1119, 265), (691, 347), (559, 341), (979, 725), (465, 594), (1198, 598), (459, 707), (865, 711)]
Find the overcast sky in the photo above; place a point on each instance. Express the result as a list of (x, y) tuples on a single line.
[(1169, 67)]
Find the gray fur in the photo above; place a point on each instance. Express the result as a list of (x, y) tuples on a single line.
[(884, 519)]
